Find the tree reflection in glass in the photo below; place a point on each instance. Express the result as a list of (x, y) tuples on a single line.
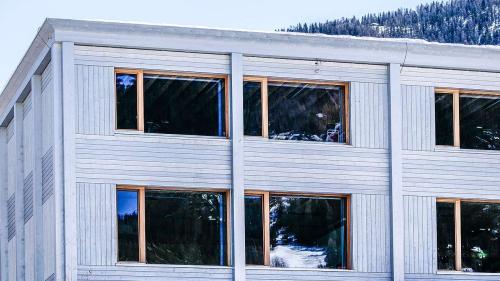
[(254, 232), (185, 227), (480, 237), (307, 112), (126, 101), (308, 232), (446, 235), (128, 226), (480, 122)]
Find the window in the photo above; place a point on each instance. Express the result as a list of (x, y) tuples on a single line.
[(297, 231), (285, 110), (467, 120), (180, 227), (171, 103), (468, 236)]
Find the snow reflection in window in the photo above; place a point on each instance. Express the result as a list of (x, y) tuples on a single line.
[(308, 232), (480, 122)]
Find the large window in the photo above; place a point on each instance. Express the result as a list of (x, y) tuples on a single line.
[(285, 110), (468, 120), (468, 236), (171, 103), (179, 227), (297, 231)]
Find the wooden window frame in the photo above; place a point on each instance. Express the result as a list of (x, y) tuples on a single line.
[(458, 225), (266, 195), (456, 108), (141, 193), (265, 99), (140, 93)]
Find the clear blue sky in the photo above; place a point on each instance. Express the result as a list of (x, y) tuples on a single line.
[(20, 19)]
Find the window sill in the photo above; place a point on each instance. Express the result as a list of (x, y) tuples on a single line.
[(445, 148), (156, 135), (261, 267), (140, 264), (454, 272), (263, 139)]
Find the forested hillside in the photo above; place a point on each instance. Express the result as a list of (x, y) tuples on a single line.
[(457, 21)]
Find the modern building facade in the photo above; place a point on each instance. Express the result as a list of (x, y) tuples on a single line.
[(143, 152)]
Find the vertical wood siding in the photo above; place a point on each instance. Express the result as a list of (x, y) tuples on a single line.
[(95, 103), (47, 175), (27, 136), (371, 233), (47, 110), (420, 235), (49, 238), (418, 117), (29, 254), (11, 218), (12, 257), (96, 211), (369, 115), (11, 158)]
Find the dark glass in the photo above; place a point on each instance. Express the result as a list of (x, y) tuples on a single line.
[(444, 119), (126, 101), (185, 228), (480, 122), (480, 237), (184, 105), (252, 108), (445, 235), (306, 112), (254, 232), (308, 232), (128, 225)]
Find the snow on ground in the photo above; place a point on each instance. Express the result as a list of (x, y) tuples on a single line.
[(299, 256)]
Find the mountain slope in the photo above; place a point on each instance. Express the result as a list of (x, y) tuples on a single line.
[(458, 21)]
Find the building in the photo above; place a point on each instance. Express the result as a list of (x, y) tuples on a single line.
[(143, 152)]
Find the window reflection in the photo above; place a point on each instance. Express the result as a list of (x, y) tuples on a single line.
[(446, 235), (480, 122), (307, 232), (306, 112), (480, 237), (126, 101), (444, 119), (128, 227), (185, 228), (254, 232), (184, 105), (252, 108)]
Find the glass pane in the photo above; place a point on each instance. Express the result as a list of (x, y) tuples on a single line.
[(306, 112), (480, 122), (308, 232), (254, 232), (128, 225), (185, 228), (480, 237), (184, 105), (446, 235), (444, 119), (126, 101), (252, 108)]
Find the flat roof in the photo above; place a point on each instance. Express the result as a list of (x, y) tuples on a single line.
[(407, 52)]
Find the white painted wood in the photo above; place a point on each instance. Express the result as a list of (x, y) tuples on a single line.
[(27, 135), (451, 78), (95, 100), (452, 276), (369, 115), (29, 254), (152, 59), (3, 206), (47, 110), (370, 216), (69, 122), (49, 239), (58, 153), (36, 88), (314, 70), (237, 172), (261, 274), (420, 235), (397, 221), (19, 193), (417, 103)]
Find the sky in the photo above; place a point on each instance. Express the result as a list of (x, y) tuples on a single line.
[(20, 19)]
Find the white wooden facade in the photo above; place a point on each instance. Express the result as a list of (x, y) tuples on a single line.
[(61, 157)]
